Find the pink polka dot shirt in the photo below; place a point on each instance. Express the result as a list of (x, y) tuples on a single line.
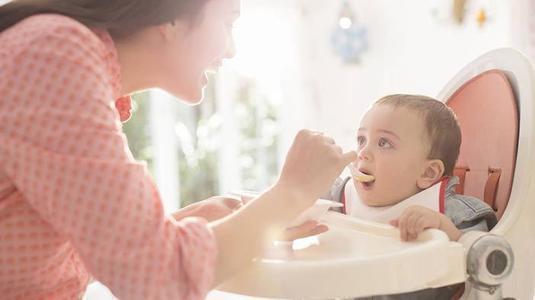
[(74, 204)]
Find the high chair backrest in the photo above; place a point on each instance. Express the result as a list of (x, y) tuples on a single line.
[(488, 116), (517, 223)]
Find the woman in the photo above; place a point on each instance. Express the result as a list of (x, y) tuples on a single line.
[(73, 202)]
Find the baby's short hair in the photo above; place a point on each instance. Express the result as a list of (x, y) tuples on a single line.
[(441, 125)]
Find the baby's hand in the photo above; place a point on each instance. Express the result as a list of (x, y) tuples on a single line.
[(416, 219)]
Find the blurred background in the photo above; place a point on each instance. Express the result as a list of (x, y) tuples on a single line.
[(310, 64), (314, 64)]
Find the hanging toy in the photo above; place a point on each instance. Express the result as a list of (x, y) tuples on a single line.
[(350, 38), (481, 17)]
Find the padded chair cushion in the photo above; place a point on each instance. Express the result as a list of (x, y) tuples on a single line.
[(487, 112)]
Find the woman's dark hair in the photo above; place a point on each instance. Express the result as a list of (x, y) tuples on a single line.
[(120, 17)]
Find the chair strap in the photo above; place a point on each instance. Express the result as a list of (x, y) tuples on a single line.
[(461, 173), (491, 187)]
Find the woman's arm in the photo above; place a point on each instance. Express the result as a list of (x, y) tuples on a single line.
[(217, 207), (64, 149), (312, 164), (211, 209)]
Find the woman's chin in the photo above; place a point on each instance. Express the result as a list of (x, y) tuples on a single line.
[(191, 97), (194, 100)]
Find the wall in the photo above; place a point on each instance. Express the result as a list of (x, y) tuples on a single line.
[(411, 51)]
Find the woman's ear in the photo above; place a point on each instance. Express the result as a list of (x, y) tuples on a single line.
[(169, 31), (433, 171)]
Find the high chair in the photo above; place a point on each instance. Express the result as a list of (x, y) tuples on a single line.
[(494, 99)]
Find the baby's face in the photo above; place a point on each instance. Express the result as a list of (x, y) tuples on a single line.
[(393, 147)]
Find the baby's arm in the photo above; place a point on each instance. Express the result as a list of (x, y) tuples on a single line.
[(416, 219)]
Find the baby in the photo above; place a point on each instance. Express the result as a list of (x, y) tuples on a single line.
[(407, 149)]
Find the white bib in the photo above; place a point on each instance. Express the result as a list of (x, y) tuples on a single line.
[(432, 198)]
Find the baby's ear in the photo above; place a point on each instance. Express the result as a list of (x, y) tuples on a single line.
[(433, 171)]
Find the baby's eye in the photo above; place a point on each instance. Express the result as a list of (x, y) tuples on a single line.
[(361, 140), (384, 143)]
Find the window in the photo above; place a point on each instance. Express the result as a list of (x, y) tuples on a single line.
[(235, 139)]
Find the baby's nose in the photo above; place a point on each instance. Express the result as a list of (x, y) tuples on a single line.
[(364, 154)]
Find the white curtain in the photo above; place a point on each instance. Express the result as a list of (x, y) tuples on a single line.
[(523, 26)]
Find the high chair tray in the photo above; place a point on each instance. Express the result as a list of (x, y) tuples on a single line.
[(354, 258)]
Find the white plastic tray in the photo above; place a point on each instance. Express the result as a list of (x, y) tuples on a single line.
[(354, 259)]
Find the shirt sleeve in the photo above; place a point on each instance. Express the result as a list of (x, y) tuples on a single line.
[(63, 147), (476, 225)]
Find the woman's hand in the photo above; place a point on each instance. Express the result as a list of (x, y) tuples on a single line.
[(312, 164), (211, 209), (217, 207), (416, 219), (309, 228)]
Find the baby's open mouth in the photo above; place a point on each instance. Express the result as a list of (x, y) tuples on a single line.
[(367, 185), (364, 177)]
